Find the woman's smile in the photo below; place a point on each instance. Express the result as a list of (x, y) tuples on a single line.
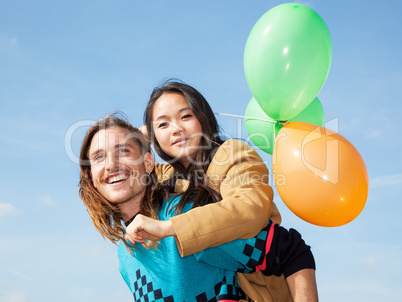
[(176, 127)]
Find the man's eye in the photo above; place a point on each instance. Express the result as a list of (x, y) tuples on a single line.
[(99, 157), (124, 151)]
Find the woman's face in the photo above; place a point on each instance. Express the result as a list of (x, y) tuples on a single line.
[(176, 128)]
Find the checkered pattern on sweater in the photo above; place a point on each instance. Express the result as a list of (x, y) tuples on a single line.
[(254, 253), (145, 291), (223, 292)]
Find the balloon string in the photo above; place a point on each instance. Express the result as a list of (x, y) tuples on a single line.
[(258, 119), (247, 117), (274, 130)]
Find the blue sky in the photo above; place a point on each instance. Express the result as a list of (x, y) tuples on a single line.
[(65, 64)]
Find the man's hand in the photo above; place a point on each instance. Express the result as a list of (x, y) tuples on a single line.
[(143, 227)]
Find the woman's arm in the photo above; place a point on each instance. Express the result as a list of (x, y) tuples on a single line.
[(273, 251), (241, 177)]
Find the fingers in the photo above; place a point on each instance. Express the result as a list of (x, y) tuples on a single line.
[(145, 228), (134, 239), (135, 228)]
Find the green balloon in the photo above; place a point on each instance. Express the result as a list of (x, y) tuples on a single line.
[(260, 127), (287, 59), (313, 114)]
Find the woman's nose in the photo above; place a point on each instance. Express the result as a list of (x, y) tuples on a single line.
[(177, 128)]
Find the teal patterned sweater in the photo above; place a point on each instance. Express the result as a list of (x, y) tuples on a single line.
[(163, 275)]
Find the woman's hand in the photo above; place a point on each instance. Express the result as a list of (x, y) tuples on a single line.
[(143, 227)]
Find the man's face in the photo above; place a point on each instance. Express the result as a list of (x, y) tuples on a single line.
[(118, 170)]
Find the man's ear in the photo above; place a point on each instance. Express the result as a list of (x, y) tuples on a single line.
[(149, 162)]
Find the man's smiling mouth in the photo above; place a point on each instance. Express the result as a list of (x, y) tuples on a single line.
[(117, 178)]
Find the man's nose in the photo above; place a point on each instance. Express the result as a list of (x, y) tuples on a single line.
[(112, 162)]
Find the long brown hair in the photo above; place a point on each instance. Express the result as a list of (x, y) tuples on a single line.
[(200, 190), (106, 216)]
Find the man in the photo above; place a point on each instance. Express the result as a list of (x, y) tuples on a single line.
[(114, 168), (117, 182)]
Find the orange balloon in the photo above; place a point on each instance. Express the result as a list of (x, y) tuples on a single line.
[(319, 175)]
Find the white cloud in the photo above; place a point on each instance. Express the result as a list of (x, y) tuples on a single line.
[(13, 40), (48, 201), (365, 288), (8, 41), (19, 274), (373, 262), (387, 180), (7, 209), (16, 297), (8, 44), (373, 134)]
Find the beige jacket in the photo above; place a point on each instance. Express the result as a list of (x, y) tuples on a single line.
[(241, 177)]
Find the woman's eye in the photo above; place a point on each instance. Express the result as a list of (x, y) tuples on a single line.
[(186, 116), (164, 124)]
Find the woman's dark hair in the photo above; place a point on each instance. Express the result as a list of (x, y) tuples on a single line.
[(199, 191)]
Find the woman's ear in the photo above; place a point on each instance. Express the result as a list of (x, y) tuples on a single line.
[(149, 162)]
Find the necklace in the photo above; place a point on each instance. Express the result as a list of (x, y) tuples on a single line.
[(130, 220)]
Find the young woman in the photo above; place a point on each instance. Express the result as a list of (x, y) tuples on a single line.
[(202, 167)]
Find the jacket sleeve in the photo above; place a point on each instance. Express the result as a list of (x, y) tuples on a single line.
[(241, 177)]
